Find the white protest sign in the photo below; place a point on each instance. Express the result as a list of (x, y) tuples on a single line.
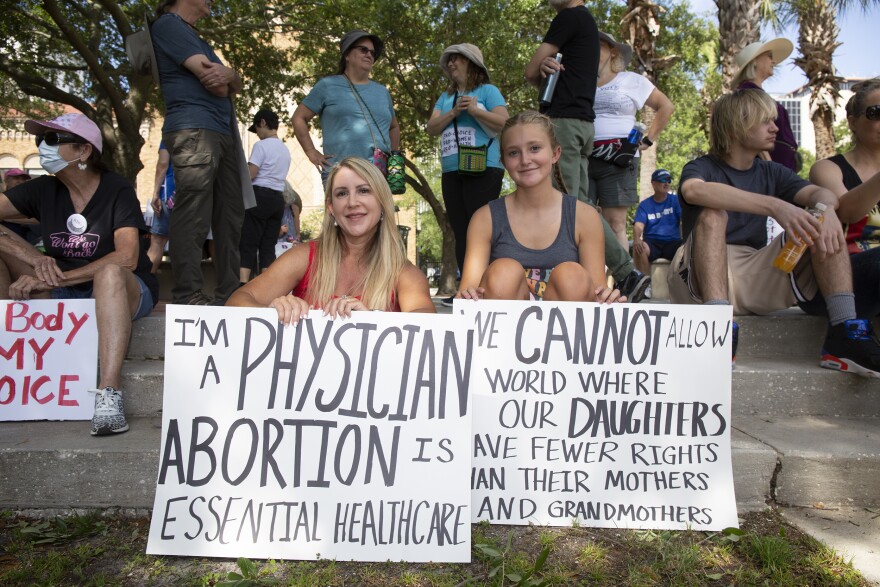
[(345, 439), (614, 416), (48, 359)]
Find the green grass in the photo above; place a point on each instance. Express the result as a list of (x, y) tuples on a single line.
[(93, 551)]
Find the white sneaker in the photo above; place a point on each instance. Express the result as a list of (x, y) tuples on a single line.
[(109, 415)]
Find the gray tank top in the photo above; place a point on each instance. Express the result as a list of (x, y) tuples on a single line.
[(537, 263)]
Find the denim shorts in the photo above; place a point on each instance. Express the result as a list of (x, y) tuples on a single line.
[(162, 222), (86, 290)]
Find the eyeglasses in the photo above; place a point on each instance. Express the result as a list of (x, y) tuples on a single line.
[(365, 50), (872, 112), (57, 138), (667, 180)]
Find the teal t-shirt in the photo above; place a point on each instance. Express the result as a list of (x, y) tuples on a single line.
[(344, 125), (470, 133)]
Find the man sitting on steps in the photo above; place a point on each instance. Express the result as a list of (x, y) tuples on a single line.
[(726, 197)]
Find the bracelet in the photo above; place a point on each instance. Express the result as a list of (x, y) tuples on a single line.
[(647, 141)]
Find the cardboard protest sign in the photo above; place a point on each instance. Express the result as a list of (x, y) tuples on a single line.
[(344, 439), (48, 359), (611, 416)]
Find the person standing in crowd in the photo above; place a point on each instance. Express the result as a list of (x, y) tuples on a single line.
[(657, 224), (92, 228), (293, 205), (268, 164), (161, 203), (535, 243), (357, 114), (726, 197), (198, 132), (470, 113), (574, 34), (755, 63), (855, 178), (619, 96), (356, 264)]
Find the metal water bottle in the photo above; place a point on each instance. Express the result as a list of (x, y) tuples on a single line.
[(636, 134), (549, 86)]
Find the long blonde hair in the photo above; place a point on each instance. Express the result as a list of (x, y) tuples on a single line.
[(385, 256)]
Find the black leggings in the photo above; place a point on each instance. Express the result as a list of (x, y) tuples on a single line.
[(465, 194), (260, 229)]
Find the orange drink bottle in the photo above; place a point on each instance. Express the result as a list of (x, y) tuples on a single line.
[(791, 253)]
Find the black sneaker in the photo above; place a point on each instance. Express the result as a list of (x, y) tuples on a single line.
[(734, 340), (852, 347), (197, 298), (633, 286), (109, 415), (447, 301)]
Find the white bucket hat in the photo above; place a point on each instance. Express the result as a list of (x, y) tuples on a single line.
[(780, 49), (472, 52)]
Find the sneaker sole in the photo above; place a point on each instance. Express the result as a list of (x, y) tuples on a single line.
[(638, 292), (846, 366), (107, 431)]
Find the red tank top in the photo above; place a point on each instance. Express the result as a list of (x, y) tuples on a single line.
[(302, 288)]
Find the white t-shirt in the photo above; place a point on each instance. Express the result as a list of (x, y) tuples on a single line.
[(272, 159), (617, 103)]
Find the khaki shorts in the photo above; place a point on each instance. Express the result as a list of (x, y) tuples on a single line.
[(755, 286)]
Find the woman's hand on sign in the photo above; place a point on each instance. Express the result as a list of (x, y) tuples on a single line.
[(606, 295), (25, 285), (343, 306), (471, 293), (290, 309)]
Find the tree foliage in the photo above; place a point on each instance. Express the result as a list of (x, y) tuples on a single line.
[(71, 52)]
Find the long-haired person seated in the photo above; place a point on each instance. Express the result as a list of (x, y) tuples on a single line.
[(358, 262)]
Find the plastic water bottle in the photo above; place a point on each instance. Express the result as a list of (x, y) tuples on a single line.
[(791, 253), (549, 86), (636, 134)]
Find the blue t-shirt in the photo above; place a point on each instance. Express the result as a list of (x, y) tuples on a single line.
[(662, 220), (345, 117), (168, 187), (187, 103), (470, 132)]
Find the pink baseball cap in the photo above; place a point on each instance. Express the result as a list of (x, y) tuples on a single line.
[(77, 124), (16, 173)]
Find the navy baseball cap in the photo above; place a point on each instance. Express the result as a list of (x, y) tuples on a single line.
[(661, 175)]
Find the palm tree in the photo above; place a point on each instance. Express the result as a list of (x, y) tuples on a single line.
[(739, 23)]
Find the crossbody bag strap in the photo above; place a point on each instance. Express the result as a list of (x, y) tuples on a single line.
[(362, 104)]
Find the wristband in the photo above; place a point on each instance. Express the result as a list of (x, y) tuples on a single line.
[(647, 141)]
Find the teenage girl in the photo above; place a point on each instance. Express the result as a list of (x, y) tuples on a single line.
[(536, 243)]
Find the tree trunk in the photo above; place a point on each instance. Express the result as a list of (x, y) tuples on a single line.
[(817, 40), (448, 265), (739, 23)]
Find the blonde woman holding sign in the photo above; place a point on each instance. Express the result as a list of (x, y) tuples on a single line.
[(357, 263)]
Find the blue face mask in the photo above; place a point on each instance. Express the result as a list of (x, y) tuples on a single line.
[(51, 160)]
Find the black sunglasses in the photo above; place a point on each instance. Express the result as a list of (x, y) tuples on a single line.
[(365, 50), (872, 112), (58, 138)]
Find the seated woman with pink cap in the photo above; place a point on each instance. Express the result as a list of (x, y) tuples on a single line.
[(92, 226)]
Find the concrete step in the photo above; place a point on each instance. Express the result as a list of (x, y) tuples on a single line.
[(799, 387), (772, 387), (58, 465), (823, 460)]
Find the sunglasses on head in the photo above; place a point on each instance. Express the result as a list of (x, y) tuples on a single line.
[(872, 112), (58, 138), (365, 50)]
